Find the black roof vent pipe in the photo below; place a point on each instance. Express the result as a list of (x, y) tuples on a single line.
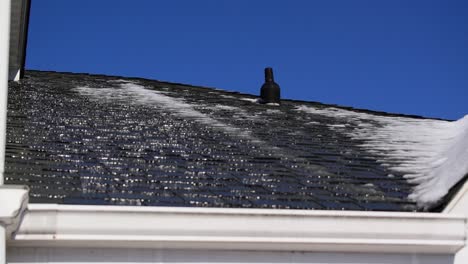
[(270, 92)]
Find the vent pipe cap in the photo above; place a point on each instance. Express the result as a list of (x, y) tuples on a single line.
[(270, 91)]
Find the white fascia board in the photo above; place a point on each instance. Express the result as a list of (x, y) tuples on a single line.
[(13, 202), (238, 229)]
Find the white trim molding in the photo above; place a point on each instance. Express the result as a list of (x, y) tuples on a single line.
[(4, 62), (46, 225), (13, 203)]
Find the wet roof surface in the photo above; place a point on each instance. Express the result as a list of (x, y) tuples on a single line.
[(89, 139)]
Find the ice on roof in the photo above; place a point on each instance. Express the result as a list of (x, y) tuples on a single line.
[(433, 154)]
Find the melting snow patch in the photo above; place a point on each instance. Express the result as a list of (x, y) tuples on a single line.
[(252, 100), (131, 92), (226, 107), (433, 154)]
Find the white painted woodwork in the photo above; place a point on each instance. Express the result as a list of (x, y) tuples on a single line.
[(13, 201), (221, 229), (4, 51)]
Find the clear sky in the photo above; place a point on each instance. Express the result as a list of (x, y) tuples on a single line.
[(397, 56)]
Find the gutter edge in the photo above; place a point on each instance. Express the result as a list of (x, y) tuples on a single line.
[(221, 229)]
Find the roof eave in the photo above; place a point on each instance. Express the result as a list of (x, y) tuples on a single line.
[(19, 25), (239, 229)]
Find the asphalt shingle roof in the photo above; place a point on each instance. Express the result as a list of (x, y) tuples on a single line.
[(190, 146)]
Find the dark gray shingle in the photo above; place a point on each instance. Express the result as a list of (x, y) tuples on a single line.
[(221, 150)]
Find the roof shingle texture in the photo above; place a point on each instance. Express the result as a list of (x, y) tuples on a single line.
[(213, 148)]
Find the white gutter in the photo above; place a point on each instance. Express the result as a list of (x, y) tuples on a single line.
[(238, 229), (4, 68)]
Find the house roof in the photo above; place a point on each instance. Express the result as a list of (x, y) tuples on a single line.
[(93, 139)]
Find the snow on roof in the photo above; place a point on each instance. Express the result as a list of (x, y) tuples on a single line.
[(430, 153), (433, 154), (149, 143), (132, 92)]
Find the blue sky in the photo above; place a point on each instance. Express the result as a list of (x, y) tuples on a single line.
[(396, 56)]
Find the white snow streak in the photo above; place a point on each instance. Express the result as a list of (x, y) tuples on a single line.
[(430, 153), (252, 100), (133, 93)]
